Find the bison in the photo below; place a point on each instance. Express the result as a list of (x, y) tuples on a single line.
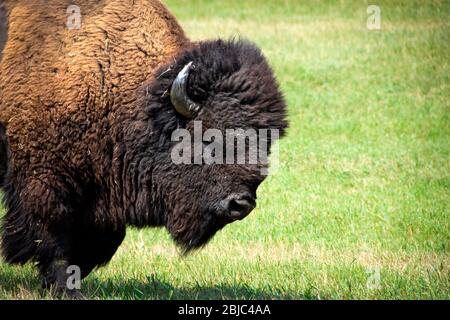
[(88, 115)]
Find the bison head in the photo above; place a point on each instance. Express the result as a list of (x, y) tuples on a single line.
[(216, 87)]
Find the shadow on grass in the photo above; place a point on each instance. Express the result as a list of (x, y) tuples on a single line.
[(155, 288), (15, 283)]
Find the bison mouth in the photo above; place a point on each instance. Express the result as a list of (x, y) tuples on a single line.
[(197, 234), (193, 232)]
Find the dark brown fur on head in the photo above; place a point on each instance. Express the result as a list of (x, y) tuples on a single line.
[(235, 88)]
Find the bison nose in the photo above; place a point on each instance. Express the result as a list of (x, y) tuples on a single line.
[(238, 206)]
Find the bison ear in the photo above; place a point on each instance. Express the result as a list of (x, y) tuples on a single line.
[(178, 94)]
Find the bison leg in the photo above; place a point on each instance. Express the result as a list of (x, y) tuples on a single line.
[(54, 263), (81, 247), (38, 226), (56, 275), (95, 247)]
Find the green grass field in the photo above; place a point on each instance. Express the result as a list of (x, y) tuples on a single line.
[(362, 192)]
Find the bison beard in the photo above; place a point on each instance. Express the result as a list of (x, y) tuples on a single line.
[(75, 177)]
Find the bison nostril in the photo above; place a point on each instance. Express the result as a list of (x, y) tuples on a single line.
[(239, 206)]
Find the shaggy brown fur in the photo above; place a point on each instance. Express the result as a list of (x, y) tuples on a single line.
[(89, 124)]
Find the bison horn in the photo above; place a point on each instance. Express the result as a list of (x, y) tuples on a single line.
[(178, 95)]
